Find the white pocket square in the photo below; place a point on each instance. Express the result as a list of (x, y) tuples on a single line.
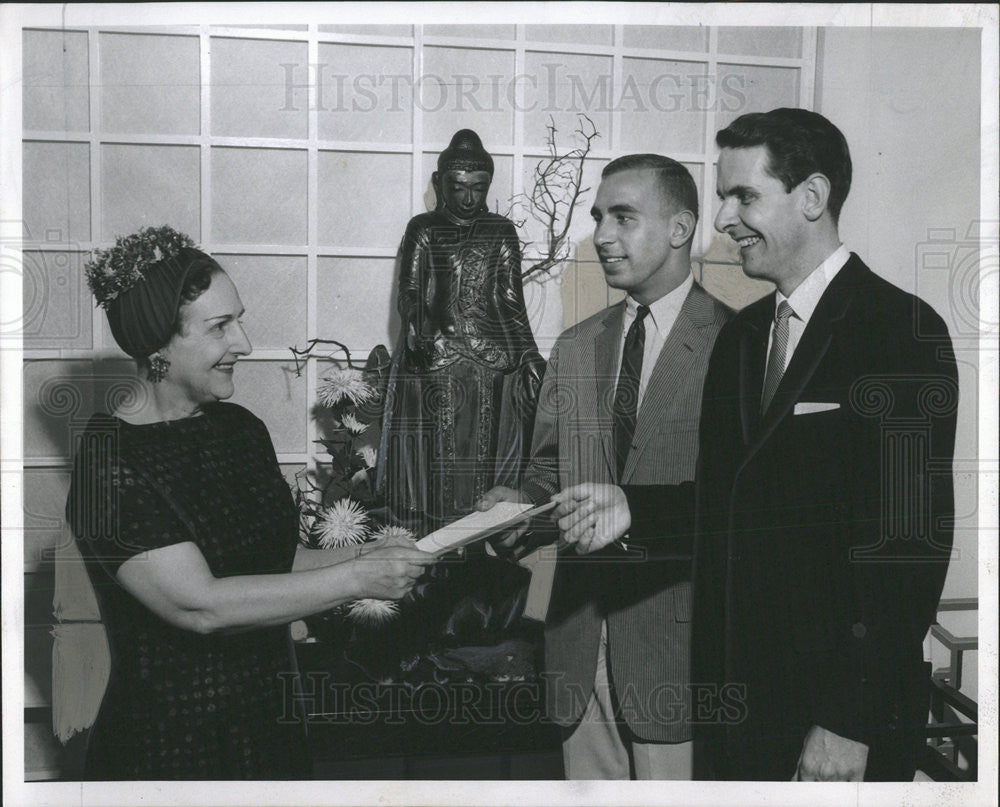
[(812, 408)]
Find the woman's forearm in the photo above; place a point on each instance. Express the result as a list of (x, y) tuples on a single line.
[(176, 583), (306, 558), (258, 601)]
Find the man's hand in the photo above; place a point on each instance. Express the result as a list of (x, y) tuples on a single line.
[(509, 539), (828, 757), (592, 515)]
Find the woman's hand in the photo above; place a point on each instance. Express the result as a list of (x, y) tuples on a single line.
[(385, 540), (389, 572)]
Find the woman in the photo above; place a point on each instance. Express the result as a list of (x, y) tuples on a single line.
[(190, 534)]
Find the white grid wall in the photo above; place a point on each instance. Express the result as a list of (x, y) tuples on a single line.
[(296, 155)]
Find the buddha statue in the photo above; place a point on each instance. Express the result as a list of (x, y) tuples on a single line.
[(465, 372)]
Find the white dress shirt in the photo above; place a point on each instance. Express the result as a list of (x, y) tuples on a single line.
[(806, 297), (661, 318)]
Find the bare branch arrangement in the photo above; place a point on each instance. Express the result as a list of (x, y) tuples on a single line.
[(301, 355), (556, 191)]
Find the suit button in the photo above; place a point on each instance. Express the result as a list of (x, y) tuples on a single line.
[(859, 630)]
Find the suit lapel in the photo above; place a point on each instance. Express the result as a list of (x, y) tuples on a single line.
[(753, 359), (684, 342), (607, 346), (812, 347)]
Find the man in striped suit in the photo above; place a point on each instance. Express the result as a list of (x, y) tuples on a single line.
[(619, 404)]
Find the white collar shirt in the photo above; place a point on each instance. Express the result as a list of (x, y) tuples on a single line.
[(662, 315), (806, 297)]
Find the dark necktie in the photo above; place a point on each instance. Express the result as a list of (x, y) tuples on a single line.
[(627, 392), (776, 356)]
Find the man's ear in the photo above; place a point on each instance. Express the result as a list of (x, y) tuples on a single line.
[(816, 195), (682, 227)]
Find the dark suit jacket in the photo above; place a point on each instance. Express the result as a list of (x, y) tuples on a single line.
[(646, 602), (823, 537)]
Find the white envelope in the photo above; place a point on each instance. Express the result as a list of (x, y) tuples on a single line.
[(811, 408), (480, 524)]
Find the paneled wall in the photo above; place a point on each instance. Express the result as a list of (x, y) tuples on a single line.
[(914, 216), (296, 154)]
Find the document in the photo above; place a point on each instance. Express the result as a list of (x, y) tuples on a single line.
[(479, 525)]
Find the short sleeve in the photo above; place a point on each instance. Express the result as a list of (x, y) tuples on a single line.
[(259, 428), (252, 425), (113, 510)]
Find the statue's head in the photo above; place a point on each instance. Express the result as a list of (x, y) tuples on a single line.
[(463, 176)]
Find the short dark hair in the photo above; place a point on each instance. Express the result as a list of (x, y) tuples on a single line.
[(799, 143), (198, 279), (675, 180)]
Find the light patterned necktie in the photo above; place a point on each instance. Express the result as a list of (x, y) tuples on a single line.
[(776, 358)]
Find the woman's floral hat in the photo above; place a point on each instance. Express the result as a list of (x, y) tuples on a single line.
[(113, 271)]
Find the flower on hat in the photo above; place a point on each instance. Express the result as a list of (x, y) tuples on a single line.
[(345, 383), (113, 271), (343, 523)]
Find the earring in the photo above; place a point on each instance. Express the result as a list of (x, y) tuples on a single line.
[(158, 367)]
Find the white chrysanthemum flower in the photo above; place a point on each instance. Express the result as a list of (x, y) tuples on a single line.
[(369, 456), (371, 611), (352, 424), (342, 524), (392, 531), (343, 383)]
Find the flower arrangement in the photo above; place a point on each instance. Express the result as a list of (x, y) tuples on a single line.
[(337, 501), (472, 603)]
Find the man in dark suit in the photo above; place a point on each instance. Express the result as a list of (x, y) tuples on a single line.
[(825, 500), (619, 403)]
